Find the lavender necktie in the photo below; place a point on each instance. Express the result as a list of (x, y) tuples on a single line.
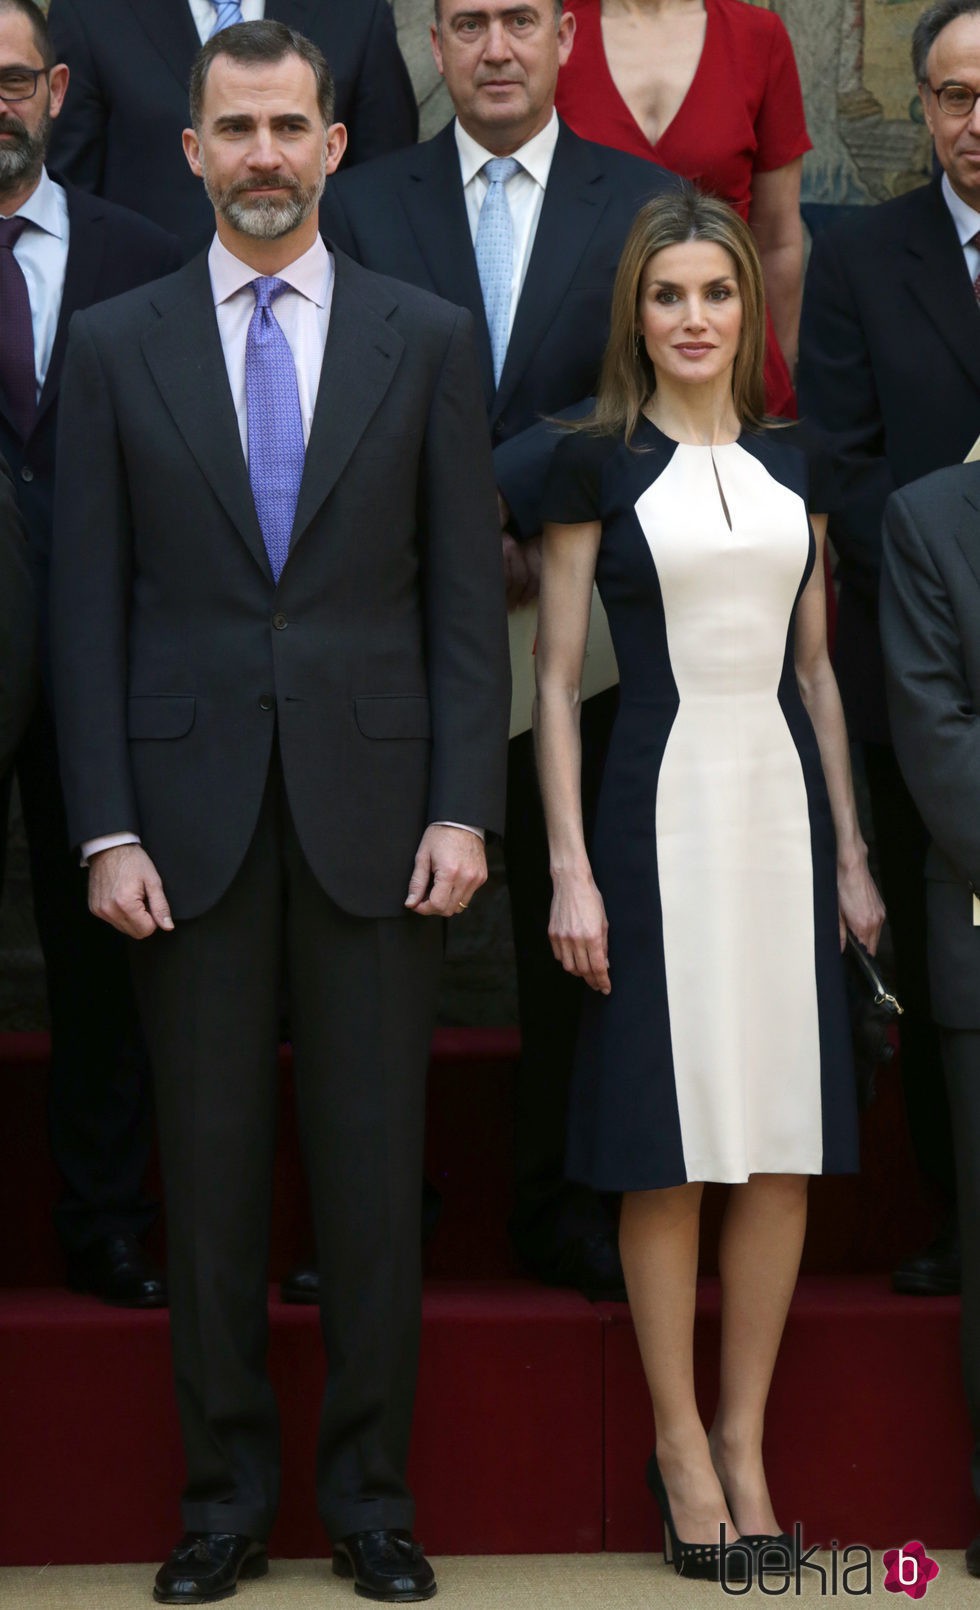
[(229, 12), (276, 449), (17, 375)]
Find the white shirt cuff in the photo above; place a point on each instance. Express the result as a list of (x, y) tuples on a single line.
[(481, 835), (110, 841)]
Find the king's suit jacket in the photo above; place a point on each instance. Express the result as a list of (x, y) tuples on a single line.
[(110, 250), (119, 130), (930, 628), (381, 655), (406, 215), (890, 365)]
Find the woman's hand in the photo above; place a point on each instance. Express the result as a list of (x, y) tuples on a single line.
[(859, 904), (578, 930)]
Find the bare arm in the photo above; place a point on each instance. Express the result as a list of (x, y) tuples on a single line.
[(774, 217), (860, 905), (578, 926)]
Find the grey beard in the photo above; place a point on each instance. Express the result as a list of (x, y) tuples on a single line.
[(265, 219), (25, 159)]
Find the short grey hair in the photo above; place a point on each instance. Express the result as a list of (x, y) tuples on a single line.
[(931, 24)]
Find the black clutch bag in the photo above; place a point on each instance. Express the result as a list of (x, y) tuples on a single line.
[(874, 1008)]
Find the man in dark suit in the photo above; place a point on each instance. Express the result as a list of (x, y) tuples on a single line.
[(890, 364), (930, 629), (130, 60), (282, 690), (66, 251), (18, 634), (418, 215)]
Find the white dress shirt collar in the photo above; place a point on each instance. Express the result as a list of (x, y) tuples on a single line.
[(205, 15), (535, 157), (311, 274), (45, 207), (966, 220)]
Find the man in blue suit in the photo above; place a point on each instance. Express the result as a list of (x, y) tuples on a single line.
[(61, 250), (433, 215)]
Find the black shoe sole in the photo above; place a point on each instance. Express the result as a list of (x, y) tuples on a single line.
[(255, 1567), (342, 1567)]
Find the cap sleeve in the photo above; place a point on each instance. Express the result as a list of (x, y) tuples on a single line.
[(823, 481), (571, 493), (780, 125)]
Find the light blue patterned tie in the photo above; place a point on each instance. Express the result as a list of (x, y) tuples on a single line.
[(276, 449), (229, 12), (495, 255)]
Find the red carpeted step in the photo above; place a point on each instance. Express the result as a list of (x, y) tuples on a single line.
[(867, 1436), (856, 1224), (506, 1456), (532, 1426)]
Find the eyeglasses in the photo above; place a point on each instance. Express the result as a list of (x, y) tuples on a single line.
[(20, 83), (956, 100)]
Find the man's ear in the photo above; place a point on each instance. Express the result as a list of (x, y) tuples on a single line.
[(192, 151)]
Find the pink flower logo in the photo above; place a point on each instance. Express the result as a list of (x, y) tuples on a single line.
[(909, 1570)]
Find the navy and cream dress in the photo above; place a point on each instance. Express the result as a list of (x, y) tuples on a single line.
[(724, 1048)]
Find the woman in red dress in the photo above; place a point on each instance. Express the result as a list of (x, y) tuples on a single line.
[(709, 89)]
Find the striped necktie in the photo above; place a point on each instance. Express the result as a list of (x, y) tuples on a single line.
[(229, 12)]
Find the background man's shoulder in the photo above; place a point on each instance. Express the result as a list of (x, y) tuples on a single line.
[(126, 232), (885, 224), (409, 304)]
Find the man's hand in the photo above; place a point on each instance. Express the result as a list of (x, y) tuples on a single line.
[(450, 865), (522, 569), (124, 889)]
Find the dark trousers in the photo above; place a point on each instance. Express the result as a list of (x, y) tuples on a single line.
[(961, 1057), (549, 999), (902, 841), (100, 1099), (361, 1000)]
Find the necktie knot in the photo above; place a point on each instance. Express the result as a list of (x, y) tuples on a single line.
[(228, 13), (11, 230), (266, 288), (499, 169)]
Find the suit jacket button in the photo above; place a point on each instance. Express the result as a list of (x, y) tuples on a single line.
[(26, 474), (280, 622), (267, 702)]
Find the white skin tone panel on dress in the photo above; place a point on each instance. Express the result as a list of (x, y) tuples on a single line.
[(728, 594)]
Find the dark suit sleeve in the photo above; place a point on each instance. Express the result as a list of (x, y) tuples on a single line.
[(838, 389), (385, 116), (521, 465), (18, 646), (466, 614), (78, 135), (935, 725), (90, 583)]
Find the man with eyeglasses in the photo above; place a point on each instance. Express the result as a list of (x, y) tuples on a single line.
[(890, 364), (61, 250)]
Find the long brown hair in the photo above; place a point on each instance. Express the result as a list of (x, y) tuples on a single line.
[(627, 380)]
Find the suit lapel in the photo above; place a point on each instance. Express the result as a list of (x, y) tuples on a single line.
[(170, 27), (294, 13), (936, 275), (359, 361), (968, 531), (184, 354), (436, 210), (574, 202), (83, 273)]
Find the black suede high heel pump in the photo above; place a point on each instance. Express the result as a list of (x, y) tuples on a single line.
[(705, 1560)]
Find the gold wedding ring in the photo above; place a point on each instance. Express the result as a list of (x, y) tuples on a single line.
[(461, 905)]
